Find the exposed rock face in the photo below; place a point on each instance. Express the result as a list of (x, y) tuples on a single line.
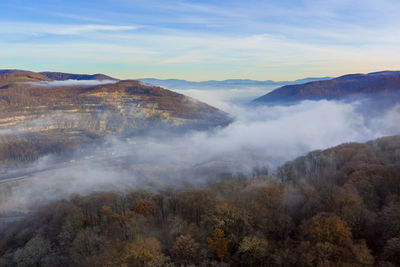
[(338, 88), (35, 116)]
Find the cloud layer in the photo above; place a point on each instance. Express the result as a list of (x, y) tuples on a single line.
[(71, 82), (262, 136)]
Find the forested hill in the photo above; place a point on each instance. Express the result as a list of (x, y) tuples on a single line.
[(338, 88), (337, 207)]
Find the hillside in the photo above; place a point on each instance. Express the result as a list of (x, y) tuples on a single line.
[(37, 118), (337, 88), (8, 77), (337, 207)]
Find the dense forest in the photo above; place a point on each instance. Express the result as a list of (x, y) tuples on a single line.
[(29, 147), (337, 207)]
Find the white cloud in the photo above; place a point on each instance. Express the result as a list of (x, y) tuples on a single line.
[(90, 28), (206, 56), (71, 82), (261, 136), (28, 28), (226, 99)]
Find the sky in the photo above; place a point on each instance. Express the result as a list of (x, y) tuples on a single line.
[(201, 40)]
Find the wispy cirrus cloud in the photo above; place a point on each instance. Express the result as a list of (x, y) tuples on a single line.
[(27, 28), (205, 56), (90, 28)]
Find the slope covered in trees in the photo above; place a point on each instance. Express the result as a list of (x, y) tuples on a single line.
[(337, 207)]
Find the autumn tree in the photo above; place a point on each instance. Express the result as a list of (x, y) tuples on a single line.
[(219, 243), (143, 252), (328, 240), (254, 250), (229, 218), (185, 249), (84, 247), (33, 253), (326, 228), (144, 207), (192, 204)]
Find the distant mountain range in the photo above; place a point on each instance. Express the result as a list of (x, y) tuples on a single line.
[(21, 75), (60, 76), (225, 84), (353, 85)]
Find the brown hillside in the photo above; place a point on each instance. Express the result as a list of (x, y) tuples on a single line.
[(73, 113)]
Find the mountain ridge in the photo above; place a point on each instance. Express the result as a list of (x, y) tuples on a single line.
[(229, 83), (336, 88), (62, 76)]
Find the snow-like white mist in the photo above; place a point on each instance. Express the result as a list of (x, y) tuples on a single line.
[(75, 82), (225, 98), (262, 136)]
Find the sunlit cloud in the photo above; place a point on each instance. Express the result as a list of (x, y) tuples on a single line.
[(25, 28)]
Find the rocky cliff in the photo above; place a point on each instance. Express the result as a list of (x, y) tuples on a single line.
[(42, 118)]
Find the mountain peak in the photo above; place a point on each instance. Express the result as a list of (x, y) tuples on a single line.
[(11, 75), (61, 76)]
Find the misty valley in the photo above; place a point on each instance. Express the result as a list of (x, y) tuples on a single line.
[(97, 171)]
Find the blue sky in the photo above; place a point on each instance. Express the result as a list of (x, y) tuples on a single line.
[(201, 40)]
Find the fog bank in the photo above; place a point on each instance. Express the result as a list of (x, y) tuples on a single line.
[(262, 136), (75, 82)]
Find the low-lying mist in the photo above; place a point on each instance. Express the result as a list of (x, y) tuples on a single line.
[(71, 82), (260, 136), (223, 98)]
